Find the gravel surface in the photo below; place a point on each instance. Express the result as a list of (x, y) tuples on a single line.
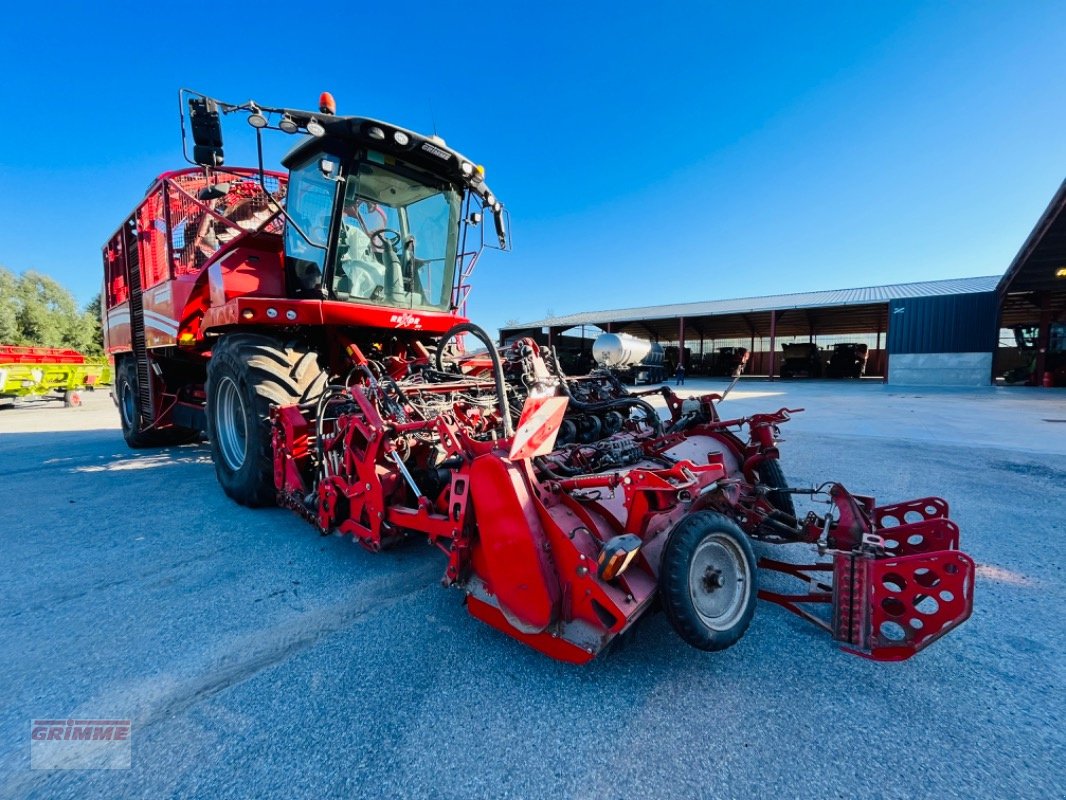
[(256, 658)]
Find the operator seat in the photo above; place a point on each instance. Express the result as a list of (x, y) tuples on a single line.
[(359, 273)]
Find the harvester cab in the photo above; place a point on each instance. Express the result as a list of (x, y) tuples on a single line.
[(373, 212), (308, 323)]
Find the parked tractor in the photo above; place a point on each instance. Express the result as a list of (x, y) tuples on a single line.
[(311, 324), (729, 359), (847, 360), (801, 360)]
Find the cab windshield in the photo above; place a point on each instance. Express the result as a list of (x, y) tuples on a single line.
[(397, 238)]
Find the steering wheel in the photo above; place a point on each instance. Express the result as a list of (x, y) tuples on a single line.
[(386, 236)]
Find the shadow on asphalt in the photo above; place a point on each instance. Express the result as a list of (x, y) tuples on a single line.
[(80, 451)]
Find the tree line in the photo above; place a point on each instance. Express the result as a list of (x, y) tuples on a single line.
[(36, 311)]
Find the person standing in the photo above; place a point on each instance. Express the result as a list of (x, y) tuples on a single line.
[(679, 374)]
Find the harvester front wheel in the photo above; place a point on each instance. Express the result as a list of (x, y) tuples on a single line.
[(247, 374), (707, 581)]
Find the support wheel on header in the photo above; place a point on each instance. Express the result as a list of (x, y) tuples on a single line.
[(771, 475), (707, 581)]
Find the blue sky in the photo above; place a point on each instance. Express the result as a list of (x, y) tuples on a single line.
[(647, 155)]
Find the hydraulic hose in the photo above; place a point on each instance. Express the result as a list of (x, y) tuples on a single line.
[(606, 405), (497, 368)]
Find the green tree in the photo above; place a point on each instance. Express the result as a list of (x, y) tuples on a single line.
[(8, 307), (36, 311), (47, 314), (94, 328)]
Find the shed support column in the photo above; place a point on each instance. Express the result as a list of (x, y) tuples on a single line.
[(1043, 338), (681, 342), (773, 343), (888, 338), (551, 337), (877, 348), (610, 327)]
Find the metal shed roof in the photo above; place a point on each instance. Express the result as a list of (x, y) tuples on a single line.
[(1042, 254), (1035, 279), (834, 298)]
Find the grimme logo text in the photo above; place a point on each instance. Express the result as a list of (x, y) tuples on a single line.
[(99, 730)]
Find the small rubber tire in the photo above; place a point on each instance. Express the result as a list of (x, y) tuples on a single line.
[(247, 374), (770, 474), (707, 553), (126, 397)]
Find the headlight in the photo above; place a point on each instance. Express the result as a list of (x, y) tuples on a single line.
[(400, 138)]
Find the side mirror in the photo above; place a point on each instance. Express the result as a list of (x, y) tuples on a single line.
[(501, 228), (206, 132)]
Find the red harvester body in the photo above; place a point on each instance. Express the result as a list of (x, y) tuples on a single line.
[(308, 325)]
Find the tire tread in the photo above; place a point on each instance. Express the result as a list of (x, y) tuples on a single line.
[(273, 373)]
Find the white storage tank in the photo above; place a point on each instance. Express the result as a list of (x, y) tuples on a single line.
[(620, 350)]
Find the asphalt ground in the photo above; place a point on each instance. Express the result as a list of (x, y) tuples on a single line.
[(256, 658)]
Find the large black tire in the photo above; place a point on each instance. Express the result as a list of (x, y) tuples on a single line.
[(247, 374), (707, 581), (126, 396), (771, 474)]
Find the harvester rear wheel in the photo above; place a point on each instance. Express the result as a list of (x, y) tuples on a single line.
[(137, 439), (771, 474), (247, 374), (707, 581)]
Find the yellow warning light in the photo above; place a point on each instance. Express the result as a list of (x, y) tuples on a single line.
[(1060, 272), (186, 338)]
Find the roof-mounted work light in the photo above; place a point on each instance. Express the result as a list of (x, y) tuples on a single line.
[(257, 119), (288, 124)]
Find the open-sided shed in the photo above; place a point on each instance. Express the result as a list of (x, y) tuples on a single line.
[(862, 311), (1032, 292)]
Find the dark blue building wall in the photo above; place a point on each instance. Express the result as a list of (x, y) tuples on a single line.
[(954, 323)]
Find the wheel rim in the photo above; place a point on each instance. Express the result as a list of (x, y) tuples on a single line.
[(128, 406), (231, 424), (719, 582)]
